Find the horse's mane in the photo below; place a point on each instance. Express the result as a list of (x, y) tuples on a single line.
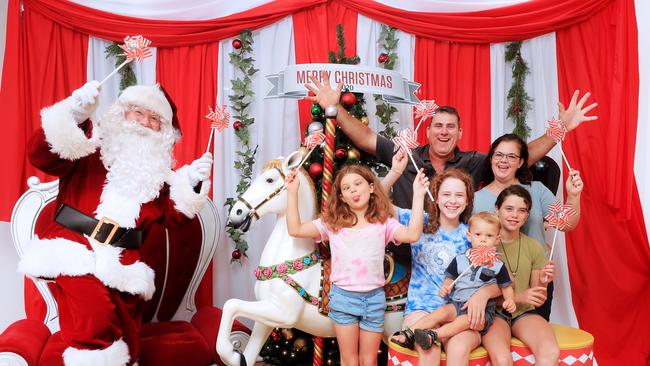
[(277, 164)]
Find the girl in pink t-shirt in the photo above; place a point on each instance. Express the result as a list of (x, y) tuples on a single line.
[(358, 225)]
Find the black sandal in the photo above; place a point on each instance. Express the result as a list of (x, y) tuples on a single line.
[(408, 336), (426, 338)]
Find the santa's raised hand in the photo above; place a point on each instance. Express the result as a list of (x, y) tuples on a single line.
[(200, 169), (84, 101)]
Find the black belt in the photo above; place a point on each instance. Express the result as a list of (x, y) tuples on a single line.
[(105, 231)]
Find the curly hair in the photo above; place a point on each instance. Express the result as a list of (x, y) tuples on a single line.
[(523, 174), (337, 214), (432, 208)]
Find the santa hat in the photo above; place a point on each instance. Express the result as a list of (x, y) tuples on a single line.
[(150, 97)]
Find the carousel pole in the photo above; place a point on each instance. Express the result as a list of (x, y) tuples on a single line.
[(328, 174)]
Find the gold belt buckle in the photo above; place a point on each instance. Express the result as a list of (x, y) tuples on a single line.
[(102, 221)]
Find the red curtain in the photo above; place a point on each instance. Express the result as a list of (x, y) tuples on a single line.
[(314, 32), (508, 23), (164, 33), (457, 74), (44, 63), (34, 80), (173, 72), (608, 253)]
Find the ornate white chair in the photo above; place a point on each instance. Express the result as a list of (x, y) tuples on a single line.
[(174, 330)]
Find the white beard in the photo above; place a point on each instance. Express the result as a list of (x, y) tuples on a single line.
[(138, 161)]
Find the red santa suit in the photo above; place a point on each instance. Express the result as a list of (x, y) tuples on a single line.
[(99, 288)]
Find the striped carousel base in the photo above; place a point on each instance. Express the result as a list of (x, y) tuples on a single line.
[(576, 348)]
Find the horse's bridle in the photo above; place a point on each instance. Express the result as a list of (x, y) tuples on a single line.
[(253, 209)]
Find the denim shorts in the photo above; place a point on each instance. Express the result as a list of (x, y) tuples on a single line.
[(510, 320), (365, 308), (490, 310)]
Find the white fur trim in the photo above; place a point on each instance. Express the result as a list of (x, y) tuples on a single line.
[(118, 206), (55, 257), (117, 354), (186, 201), (136, 278), (51, 258), (149, 97), (62, 133)]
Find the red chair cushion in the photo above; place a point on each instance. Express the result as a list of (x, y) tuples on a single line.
[(173, 343), (26, 338)]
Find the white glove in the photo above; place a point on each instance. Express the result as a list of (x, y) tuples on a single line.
[(84, 101), (200, 169)]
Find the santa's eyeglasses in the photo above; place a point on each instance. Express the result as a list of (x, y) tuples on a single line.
[(141, 113)]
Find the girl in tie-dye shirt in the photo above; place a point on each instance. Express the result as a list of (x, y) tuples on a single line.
[(444, 237)]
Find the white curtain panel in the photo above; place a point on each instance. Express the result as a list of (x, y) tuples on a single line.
[(368, 50), (275, 131), (99, 66), (541, 85)]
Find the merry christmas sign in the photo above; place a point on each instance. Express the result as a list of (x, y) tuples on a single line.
[(391, 85)]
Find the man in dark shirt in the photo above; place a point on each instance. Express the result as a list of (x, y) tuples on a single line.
[(444, 131)]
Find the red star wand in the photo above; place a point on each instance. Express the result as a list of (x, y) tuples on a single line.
[(135, 47), (424, 110), (557, 131), (478, 256), (558, 217), (405, 139), (219, 118)]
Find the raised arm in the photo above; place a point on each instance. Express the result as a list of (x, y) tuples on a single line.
[(574, 187), (572, 118), (412, 233), (294, 226), (360, 134), (397, 168)]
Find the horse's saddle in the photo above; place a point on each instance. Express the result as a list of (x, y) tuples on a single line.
[(396, 287)]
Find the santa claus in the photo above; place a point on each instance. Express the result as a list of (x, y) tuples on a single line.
[(115, 181)]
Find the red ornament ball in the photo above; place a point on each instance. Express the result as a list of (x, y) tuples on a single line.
[(340, 153), (316, 170), (236, 44), (382, 58), (236, 254), (348, 99), (237, 125), (275, 336)]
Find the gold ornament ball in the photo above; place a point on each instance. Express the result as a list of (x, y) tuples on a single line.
[(287, 334), (365, 120), (300, 345), (354, 154)]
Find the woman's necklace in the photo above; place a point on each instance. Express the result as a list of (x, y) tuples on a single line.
[(514, 271)]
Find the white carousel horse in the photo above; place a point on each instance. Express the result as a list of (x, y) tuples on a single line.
[(288, 299)]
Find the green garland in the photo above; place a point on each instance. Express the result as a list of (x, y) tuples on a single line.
[(240, 100), (388, 43), (518, 99), (127, 76)]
